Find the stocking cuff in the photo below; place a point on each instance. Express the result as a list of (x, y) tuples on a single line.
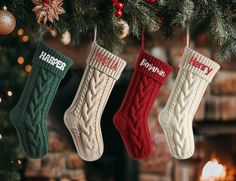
[(153, 67), (105, 61), (52, 60), (199, 64)]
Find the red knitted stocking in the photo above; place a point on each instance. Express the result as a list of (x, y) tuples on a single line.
[(131, 118)]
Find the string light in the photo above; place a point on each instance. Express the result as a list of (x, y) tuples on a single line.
[(9, 93), (19, 162), (20, 60), (20, 32), (25, 38), (0, 99), (28, 68), (0, 136)]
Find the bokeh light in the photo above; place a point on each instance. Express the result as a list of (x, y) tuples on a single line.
[(28, 68), (25, 38), (9, 93), (20, 32), (20, 60)]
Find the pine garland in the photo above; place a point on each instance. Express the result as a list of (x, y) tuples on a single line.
[(81, 17)]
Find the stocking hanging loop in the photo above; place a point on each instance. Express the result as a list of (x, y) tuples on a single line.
[(95, 34), (142, 39), (188, 34)]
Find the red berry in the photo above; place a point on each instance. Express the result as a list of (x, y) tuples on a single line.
[(114, 1), (151, 1), (119, 5), (119, 13)]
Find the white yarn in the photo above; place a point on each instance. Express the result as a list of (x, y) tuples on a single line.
[(177, 116), (83, 117)]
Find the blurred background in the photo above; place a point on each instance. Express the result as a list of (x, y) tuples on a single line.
[(214, 123)]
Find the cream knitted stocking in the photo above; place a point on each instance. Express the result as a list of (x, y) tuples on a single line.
[(196, 72), (82, 118)]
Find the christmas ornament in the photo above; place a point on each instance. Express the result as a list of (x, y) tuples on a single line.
[(125, 29), (131, 120), (84, 115), (119, 13), (7, 22), (47, 10), (151, 1), (119, 5), (196, 72), (66, 38), (28, 116)]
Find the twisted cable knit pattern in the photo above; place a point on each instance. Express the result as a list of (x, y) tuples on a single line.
[(83, 117), (31, 110), (196, 72), (131, 118)]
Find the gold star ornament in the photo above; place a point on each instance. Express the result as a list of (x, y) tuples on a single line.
[(47, 10)]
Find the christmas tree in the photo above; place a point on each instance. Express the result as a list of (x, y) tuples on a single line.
[(14, 68)]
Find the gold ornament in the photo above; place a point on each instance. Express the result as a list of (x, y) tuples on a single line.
[(7, 22), (47, 10), (66, 38), (125, 29)]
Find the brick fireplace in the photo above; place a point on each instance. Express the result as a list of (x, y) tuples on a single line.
[(214, 125)]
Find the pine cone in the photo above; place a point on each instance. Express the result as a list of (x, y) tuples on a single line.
[(47, 10)]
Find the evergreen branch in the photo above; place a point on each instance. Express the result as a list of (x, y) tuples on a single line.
[(82, 16)]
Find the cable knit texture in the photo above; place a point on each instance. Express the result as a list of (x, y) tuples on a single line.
[(131, 119), (83, 117), (49, 67), (196, 72)]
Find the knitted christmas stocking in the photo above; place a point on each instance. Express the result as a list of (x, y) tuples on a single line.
[(83, 117), (49, 67), (131, 119), (196, 72)]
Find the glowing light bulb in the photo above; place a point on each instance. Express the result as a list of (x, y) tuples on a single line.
[(0, 136), (0, 99), (20, 32), (28, 68), (25, 38), (20, 60), (19, 162), (9, 93)]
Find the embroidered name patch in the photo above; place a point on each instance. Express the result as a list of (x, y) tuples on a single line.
[(106, 61), (193, 61), (152, 68), (52, 60)]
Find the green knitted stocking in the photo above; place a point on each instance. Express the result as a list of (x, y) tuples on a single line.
[(28, 116)]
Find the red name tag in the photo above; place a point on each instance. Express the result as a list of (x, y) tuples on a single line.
[(194, 62), (106, 61)]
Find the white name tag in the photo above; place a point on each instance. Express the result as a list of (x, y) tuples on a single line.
[(52, 60), (152, 68)]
